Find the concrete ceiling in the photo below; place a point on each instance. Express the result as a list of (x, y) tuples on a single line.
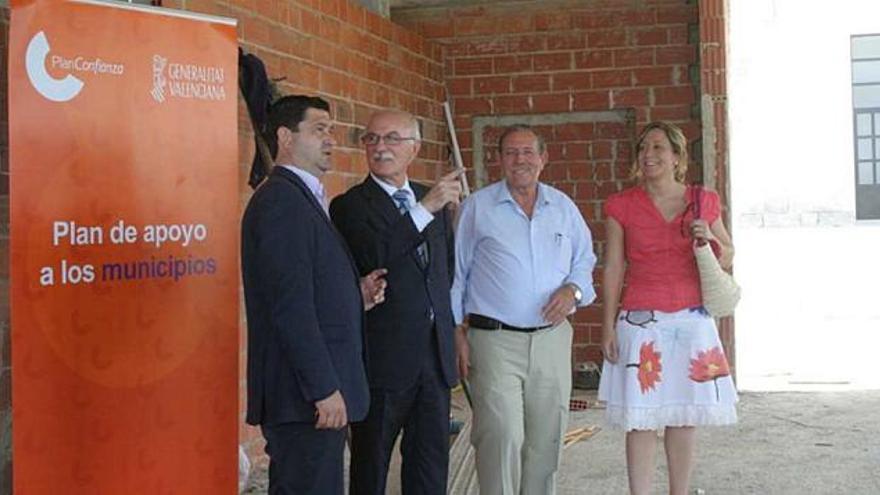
[(405, 4)]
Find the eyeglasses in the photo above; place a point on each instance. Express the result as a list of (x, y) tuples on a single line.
[(393, 139)]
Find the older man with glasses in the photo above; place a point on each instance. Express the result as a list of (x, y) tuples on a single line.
[(391, 222)]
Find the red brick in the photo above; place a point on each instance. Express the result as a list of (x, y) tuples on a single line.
[(511, 104), (596, 20), (330, 29), (642, 17), (460, 86), (679, 35), (523, 44), (552, 22), (468, 26), (255, 31), (457, 48), (582, 131), (551, 103), (630, 97), (489, 85), (591, 100), (612, 79), (571, 80), (436, 29), (601, 150), (330, 7), (493, 46), (677, 15), (684, 95), (606, 39), (553, 61), (594, 59), (310, 22), (675, 113), (668, 55), (529, 84), (353, 14), (513, 63), (657, 36), (473, 66), (566, 41), (634, 57), (305, 74), (611, 130), (653, 76), (469, 106)]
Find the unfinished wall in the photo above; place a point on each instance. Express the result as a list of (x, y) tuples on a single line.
[(558, 60), (5, 364), (337, 49)]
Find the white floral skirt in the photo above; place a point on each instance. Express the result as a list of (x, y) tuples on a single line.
[(671, 371)]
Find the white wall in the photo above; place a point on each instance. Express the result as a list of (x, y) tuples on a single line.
[(811, 309)]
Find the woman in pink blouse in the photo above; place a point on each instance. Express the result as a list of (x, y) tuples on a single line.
[(664, 365)]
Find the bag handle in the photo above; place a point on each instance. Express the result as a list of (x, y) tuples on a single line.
[(697, 196)]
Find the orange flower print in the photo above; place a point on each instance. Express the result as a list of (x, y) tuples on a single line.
[(649, 367), (709, 365)]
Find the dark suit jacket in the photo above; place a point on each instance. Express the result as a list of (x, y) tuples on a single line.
[(304, 307), (399, 331)]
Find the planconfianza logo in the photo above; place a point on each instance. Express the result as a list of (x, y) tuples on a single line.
[(187, 81), (69, 86)]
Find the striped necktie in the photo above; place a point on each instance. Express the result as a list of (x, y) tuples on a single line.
[(401, 196)]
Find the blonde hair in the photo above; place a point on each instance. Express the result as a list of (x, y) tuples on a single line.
[(679, 146)]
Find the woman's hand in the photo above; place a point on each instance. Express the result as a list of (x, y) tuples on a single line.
[(701, 232), (610, 348)]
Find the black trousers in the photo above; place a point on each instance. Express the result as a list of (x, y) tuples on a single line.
[(422, 412), (303, 460)]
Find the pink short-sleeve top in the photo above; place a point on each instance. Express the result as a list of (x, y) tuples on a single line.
[(661, 273)]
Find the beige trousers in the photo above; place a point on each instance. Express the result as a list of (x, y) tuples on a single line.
[(521, 386)]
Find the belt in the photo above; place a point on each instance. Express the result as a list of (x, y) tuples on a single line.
[(486, 323)]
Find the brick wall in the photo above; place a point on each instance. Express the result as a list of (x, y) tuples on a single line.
[(571, 66), (333, 48), (547, 61), (713, 81), (5, 369), (357, 60)]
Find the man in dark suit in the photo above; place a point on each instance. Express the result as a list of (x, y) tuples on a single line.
[(403, 226), (305, 308)]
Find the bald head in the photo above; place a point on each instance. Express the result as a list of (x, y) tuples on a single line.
[(392, 141)]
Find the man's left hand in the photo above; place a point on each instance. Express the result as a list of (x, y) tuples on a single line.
[(560, 305), (373, 288)]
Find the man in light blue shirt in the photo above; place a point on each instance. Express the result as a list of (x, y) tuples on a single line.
[(524, 262)]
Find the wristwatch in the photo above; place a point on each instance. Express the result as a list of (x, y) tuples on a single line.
[(578, 295)]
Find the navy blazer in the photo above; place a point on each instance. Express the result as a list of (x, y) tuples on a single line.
[(304, 307), (417, 305)]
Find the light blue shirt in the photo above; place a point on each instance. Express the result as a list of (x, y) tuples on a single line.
[(312, 182), (507, 266), (420, 215)]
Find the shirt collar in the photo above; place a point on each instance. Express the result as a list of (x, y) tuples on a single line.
[(503, 195), (390, 190), (312, 182)]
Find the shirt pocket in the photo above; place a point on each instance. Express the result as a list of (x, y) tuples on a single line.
[(562, 249)]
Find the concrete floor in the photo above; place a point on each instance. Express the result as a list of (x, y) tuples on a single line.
[(785, 443)]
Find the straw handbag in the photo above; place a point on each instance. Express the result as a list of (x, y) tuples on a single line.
[(720, 292)]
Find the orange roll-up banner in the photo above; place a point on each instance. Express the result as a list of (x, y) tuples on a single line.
[(124, 233)]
